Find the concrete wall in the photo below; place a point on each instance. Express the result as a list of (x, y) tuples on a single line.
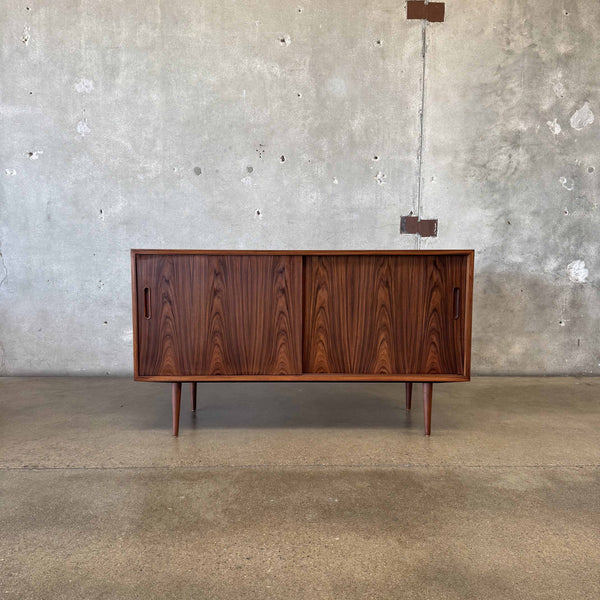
[(277, 124)]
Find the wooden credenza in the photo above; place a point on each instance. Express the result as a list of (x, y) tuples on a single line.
[(214, 315)]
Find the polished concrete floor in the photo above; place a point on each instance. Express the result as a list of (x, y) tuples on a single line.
[(299, 491)]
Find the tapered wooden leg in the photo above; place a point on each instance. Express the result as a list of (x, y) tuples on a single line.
[(408, 395), (193, 391), (176, 402), (427, 394)]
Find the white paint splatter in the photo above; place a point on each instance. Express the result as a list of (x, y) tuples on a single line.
[(554, 126), (82, 128), (380, 178), (568, 184), (335, 181), (84, 86), (558, 88), (127, 335), (582, 117), (10, 172), (26, 35), (247, 181), (34, 155), (577, 271)]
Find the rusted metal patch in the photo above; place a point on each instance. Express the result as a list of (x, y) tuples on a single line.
[(432, 11), (425, 228)]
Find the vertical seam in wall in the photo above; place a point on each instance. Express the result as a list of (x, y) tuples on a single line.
[(421, 122)]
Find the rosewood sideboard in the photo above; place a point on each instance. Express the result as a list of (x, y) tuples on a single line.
[(214, 315)]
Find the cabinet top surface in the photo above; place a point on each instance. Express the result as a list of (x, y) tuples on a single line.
[(309, 252)]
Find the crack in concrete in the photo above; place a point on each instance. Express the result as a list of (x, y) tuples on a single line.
[(421, 123)]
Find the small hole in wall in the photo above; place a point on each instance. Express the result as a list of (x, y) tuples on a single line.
[(258, 213), (282, 158), (379, 42), (249, 169), (561, 323), (106, 322), (376, 157), (30, 93), (508, 222), (101, 213), (299, 9), (566, 13), (299, 95), (591, 169)]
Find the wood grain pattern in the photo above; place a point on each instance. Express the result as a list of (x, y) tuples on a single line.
[(219, 315), (201, 294), (383, 314)]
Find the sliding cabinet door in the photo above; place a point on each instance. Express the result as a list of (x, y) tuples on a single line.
[(369, 314), (218, 315)]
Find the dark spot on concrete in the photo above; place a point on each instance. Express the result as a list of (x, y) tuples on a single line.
[(508, 222), (27, 8), (566, 13), (591, 169), (249, 169), (299, 95), (578, 343), (30, 93), (282, 41), (106, 322), (101, 212), (376, 157), (561, 323), (30, 154), (299, 9), (258, 213), (566, 212), (198, 170), (379, 42), (282, 158)]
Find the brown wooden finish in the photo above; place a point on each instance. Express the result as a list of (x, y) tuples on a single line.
[(427, 395), (384, 314), (193, 390), (218, 315), (408, 387), (306, 377), (307, 252), (162, 354), (176, 404)]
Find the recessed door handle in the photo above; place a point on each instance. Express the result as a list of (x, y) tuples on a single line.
[(456, 303), (147, 312)]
